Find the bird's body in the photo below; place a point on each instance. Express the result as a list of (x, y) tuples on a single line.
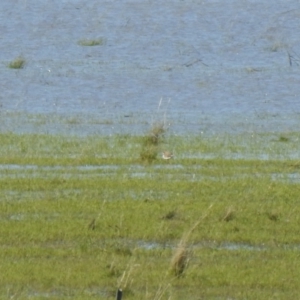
[(167, 155)]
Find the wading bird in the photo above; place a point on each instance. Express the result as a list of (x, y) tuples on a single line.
[(167, 155)]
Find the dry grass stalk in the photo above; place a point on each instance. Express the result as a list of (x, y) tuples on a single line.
[(181, 256), (127, 274), (180, 260), (161, 291)]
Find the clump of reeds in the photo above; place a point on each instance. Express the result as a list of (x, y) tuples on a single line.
[(151, 142), (148, 154), (91, 42), (156, 133), (17, 63)]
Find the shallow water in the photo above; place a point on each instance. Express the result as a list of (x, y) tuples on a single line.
[(89, 171), (213, 66), (204, 244)]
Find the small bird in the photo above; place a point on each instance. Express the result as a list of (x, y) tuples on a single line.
[(167, 155)]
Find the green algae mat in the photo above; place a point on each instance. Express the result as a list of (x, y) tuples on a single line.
[(81, 217)]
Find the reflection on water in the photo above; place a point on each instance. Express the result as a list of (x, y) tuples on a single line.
[(218, 66)]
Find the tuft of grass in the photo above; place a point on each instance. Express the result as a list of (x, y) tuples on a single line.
[(151, 142), (283, 138), (229, 215), (17, 63), (92, 224), (273, 216), (91, 42), (156, 134), (148, 154), (170, 215)]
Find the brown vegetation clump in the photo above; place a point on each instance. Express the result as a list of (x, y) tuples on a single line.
[(180, 260), (151, 142)]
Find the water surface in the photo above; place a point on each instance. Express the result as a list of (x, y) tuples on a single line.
[(214, 66)]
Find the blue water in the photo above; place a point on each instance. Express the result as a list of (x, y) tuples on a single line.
[(198, 66)]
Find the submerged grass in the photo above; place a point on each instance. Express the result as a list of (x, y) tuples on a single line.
[(82, 217), (91, 42), (17, 63)]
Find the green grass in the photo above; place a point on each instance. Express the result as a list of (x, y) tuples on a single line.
[(245, 244)]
